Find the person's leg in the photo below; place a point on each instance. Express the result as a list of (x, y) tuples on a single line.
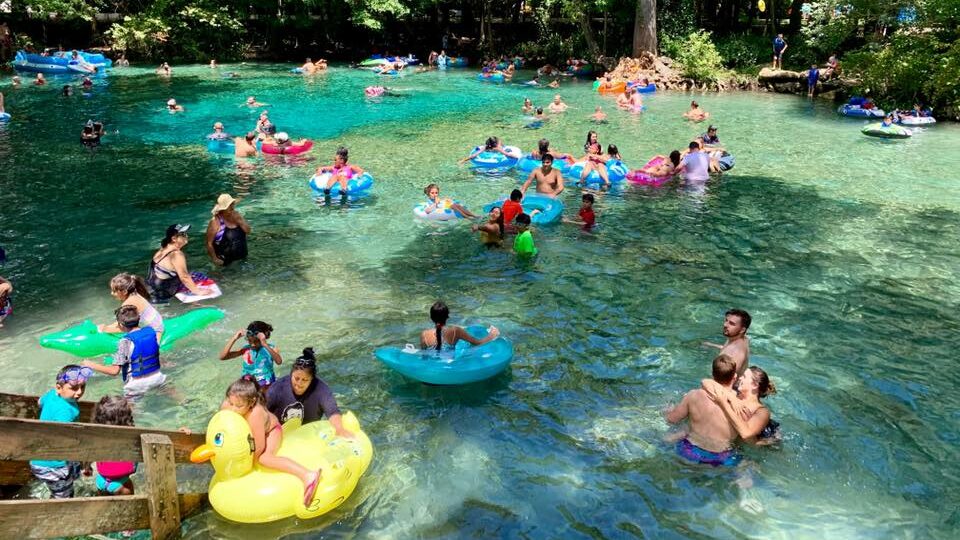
[(270, 459), (602, 171), (587, 167), (462, 211)]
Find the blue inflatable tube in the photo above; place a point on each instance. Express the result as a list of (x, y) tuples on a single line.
[(486, 77), (616, 172), (528, 163), (550, 210), (857, 112), (463, 365), (495, 160), (648, 89), (5, 117), (355, 186)]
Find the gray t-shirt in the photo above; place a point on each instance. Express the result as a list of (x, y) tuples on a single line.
[(696, 166)]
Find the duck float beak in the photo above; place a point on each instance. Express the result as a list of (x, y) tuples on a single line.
[(202, 453)]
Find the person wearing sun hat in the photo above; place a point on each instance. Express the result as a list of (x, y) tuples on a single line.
[(167, 273), (173, 107), (226, 232)]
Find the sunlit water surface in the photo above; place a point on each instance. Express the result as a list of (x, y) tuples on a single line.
[(844, 249)]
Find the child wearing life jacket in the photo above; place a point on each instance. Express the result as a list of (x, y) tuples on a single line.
[(137, 359)]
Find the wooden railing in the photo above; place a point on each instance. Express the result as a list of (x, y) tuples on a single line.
[(156, 505)]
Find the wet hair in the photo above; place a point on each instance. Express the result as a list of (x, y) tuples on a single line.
[(745, 318), (522, 219), (113, 411), (128, 317), (764, 386), (64, 370), (491, 143), (547, 157), (724, 369), (694, 145), (306, 362), (247, 389), (170, 234), (544, 146), (694, 104), (539, 110), (587, 197), (439, 313), (613, 150), (711, 128), (129, 284), (251, 135), (343, 153), (426, 190), (675, 157), (256, 327), (516, 195), (588, 144)]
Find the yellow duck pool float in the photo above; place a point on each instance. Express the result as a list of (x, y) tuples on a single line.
[(245, 492)]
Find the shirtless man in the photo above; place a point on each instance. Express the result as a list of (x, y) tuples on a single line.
[(309, 67), (549, 180), (245, 146), (696, 113), (710, 437), (737, 347), (557, 105)]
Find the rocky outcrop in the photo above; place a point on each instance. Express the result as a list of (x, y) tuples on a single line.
[(795, 82)]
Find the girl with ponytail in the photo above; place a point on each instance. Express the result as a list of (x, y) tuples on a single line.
[(442, 334)]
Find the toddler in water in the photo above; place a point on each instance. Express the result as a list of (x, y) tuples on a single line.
[(113, 477), (340, 172), (512, 207), (245, 398), (434, 203), (258, 355), (60, 405)]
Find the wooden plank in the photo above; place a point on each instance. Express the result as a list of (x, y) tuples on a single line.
[(47, 518), (32, 439), (161, 488), (15, 473), (18, 406)]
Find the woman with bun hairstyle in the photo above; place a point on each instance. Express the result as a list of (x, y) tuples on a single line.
[(303, 395), (746, 412)]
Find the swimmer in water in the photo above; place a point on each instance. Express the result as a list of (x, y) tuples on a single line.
[(527, 106), (309, 67), (40, 80), (340, 172), (164, 70), (218, 133), (6, 308), (434, 203), (15, 81), (493, 144), (87, 83), (491, 232), (599, 116), (549, 181), (252, 102), (695, 113), (667, 167), (557, 105), (736, 322), (173, 107), (245, 146), (443, 335), (213, 64), (743, 408)]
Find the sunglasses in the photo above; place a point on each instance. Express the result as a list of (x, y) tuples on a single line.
[(75, 375), (304, 363)]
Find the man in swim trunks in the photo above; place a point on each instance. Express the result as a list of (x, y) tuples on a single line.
[(736, 322), (309, 67), (557, 105), (549, 180), (710, 437)]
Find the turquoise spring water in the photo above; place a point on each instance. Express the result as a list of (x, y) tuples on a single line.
[(843, 248)]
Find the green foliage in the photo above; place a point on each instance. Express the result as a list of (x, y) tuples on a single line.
[(828, 27), (698, 57), (140, 35), (371, 13), (744, 51), (190, 32), (676, 19), (63, 9)]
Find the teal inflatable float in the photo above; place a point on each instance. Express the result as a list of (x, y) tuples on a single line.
[(465, 364), (85, 341)]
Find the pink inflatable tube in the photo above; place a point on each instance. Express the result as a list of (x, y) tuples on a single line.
[(638, 177), (288, 151)]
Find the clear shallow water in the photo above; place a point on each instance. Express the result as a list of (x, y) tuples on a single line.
[(842, 247)]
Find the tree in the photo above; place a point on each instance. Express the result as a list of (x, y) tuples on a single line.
[(645, 27)]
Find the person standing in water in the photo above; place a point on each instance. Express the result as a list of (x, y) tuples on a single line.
[(226, 233), (736, 322), (549, 180), (709, 439)]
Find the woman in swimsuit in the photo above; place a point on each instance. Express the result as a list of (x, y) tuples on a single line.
[(749, 416), (442, 335), (491, 232), (244, 398), (226, 233), (168, 267), (132, 291), (594, 159), (667, 167)]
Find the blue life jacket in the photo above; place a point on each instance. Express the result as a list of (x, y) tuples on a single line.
[(145, 358)]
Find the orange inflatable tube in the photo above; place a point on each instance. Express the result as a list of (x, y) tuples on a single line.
[(612, 88)]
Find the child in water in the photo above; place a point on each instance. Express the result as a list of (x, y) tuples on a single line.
[(258, 355), (340, 172), (587, 218), (113, 477), (523, 243), (60, 405), (493, 144), (435, 338), (599, 116), (434, 203), (245, 398)]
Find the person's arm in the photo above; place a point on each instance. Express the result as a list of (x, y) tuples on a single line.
[(179, 262), (274, 352), (226, 353), (212, 228), (560, 185), (679, 413), (241, 222), (328, 405), (256, 418), (113, 371), (356, 169), (493, 334), (120, 358), (473, 155), (747, 429), (530, 178)]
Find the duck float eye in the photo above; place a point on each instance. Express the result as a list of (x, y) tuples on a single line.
[(218, 439)]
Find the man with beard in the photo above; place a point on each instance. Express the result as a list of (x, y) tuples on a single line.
[(735, 325)]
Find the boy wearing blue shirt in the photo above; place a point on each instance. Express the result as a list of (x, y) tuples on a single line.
[(812, 77), (779, 47), (60, 405)]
